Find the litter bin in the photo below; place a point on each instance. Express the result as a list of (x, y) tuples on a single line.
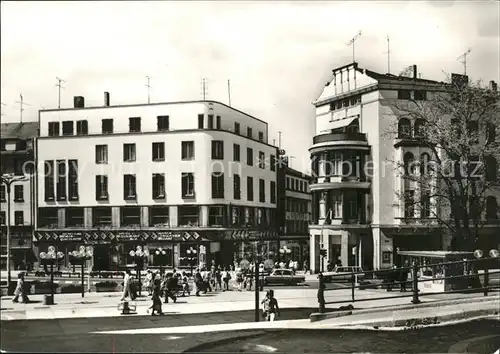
[(48, 300)]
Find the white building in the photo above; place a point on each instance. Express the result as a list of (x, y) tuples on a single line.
[(354, 217), (176, 176)]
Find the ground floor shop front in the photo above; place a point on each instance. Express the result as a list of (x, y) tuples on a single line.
[(21, 248)]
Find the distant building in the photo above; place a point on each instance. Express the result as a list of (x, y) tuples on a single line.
[(178, 176), (17, 156)]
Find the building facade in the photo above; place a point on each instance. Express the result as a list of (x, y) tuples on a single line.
[(356, 215), (17, 162), (180, 176)]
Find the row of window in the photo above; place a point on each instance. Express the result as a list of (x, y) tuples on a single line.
[(296, 184), (159, 216), (345, 103), (18, 193), (187, 153), (134, 126), (18, 218), (297, 227), (296, 205), (66, 180)]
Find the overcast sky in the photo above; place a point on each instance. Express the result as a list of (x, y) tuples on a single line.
[(276, 54)]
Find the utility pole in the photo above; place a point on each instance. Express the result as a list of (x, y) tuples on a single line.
[(352, 42), (59, 85), (229, 91), (204, 88), (21, 105), (279, 139), (388, 56), (148, 85), (463, 60)]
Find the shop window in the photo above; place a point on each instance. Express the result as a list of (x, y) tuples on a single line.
[(188, 215), (159, 216), (75, 217), (217, 215), (101, 216), (48, 217), (130, 216)]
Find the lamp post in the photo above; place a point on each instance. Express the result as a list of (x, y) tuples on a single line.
[(192, 256), (8, 179), (285, 251), (162, 258), (139, 257), (51, 258), (493, 254), (80, 257)]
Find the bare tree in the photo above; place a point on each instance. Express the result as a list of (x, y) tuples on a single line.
[(451, 183)]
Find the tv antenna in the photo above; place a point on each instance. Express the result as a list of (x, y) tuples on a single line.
[(279, 139), (148, 85), (352, 42), (463, 60), (229, 91), (21, 106), (204, 88), (60, 86), (388, 56)]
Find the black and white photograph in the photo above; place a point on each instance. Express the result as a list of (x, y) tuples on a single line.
[(250, 176)]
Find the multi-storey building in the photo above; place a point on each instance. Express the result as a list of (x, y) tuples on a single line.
[(17, 162), (177, 176), (354, 217)]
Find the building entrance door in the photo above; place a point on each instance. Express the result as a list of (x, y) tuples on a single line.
[(102, 257)]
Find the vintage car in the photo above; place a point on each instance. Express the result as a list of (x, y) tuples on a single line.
[(343, 274), (283, 276)]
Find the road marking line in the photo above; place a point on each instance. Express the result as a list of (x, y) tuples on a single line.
[(172, 338), (262, 348)]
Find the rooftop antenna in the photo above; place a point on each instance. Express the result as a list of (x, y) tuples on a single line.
[(388, 56), (59, 85), (352, 42), (21, 105), (279, 140), (204, 88), (148, 85), (463, 59), (229, 91)]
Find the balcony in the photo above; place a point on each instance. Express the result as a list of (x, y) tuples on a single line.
[(337, 141), (339, 182), (325, 138)]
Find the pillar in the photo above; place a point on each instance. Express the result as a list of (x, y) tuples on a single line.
[(173, 216), (115, 216), (344, 248), (87, 217), (61, 218), (176, 251), (322, 207), (203, 216), (322, 165), (377, 262), (144, 216), (360, 251)]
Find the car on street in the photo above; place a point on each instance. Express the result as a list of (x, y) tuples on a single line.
[(283, 276), (343, 274)]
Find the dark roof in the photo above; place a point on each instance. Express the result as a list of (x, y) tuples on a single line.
[(19, 130), (292, 172), (380, 77)]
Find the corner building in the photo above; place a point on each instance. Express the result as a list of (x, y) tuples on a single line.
[(177, 176)]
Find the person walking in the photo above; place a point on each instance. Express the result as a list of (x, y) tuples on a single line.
[(156, 297), (20, 290), (198, 282), (126, 285), (171, 288), (226, 277), (270, 306), (218, 279)]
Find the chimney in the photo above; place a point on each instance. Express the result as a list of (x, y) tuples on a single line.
[(106, 99), (493, 86), (415, 73), (78, 102)]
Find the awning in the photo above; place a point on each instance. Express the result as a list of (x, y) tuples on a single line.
[(341, 123)]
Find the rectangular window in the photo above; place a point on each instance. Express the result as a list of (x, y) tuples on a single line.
[(210, 121), (201, 122), (236, 187), (49, 180), (420, 95), (162, 123), (187, 148), (273, 163), (159, 216), (159, 151), (74, 217), (217, 150), (273, 192), (18, 193), (101, 187), (425, 202), (101, 154), (250, 189), (218, 123), (236, 216), (128, 152), (3, 218), (134, 124), (158, 186), (73, 179), (217, 185), (262, 190), (67, 128), (261, 136), (236, 128), (107, 126), (217, 215), (188, 185), (188, 215), (249, 133), (19, 217), (262, 160), (249, 157), (409, 204), (337, 205), (82, 127), (129, 187), (48, 217), (130, 216), (101, 216), (53, 128), (351, 205), (61, 180), (236, 152), (2, 193), (404, 94)]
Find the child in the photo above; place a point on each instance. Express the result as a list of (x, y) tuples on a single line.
[(185, 286)]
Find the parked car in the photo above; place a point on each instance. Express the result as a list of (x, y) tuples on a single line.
[(283, 276), (343, 274)]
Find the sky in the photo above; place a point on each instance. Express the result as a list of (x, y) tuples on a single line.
[(277, 55)]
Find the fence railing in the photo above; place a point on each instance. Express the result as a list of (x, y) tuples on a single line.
[(399, 277)]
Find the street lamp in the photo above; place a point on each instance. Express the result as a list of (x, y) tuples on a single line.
[(162, 258), (139, 257), (51, 258), (285, 251), (80, 257), (191, 252), (8, 179), (493, 254)]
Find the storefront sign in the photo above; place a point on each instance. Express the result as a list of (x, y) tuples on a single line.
[(252, 235), (164, 236), (128, 236), (74, 236)]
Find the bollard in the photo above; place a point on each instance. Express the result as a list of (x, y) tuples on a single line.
[(415, 299), (486, 281), (353, 284), (321, 294)]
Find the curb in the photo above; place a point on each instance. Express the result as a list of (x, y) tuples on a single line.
[(209, 345), (315, 317)]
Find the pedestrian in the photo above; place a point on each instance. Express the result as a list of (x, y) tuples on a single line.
[(306, 267), (185, 286), (20, 290), (321, 293), (198, 282), (148, 283), (126, 285), (270, 306), (226, 277), (171, 288), (156, 306), (239, 279), (218, 278)]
